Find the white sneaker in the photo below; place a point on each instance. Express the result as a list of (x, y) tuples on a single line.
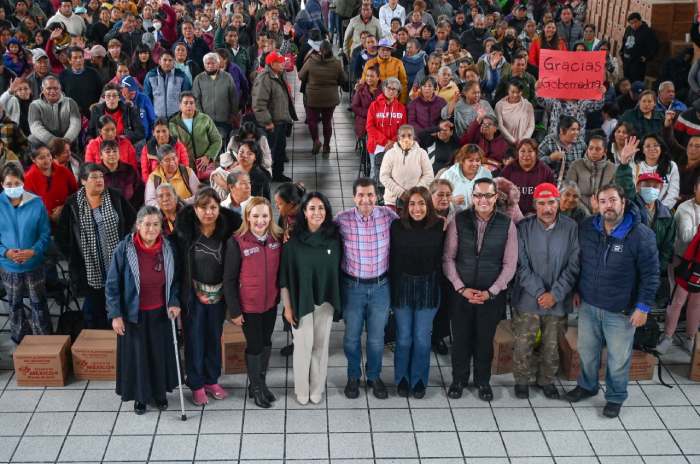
[(664, 344)]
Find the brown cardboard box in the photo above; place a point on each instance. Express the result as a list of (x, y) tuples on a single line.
[(695, 361), (42, 361), (642, 367), (233, 349), (503, 342), (95, 355)]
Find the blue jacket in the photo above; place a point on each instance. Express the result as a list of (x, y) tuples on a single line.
[(164, 90), (24, 227), (122, 286), (619, 272), (146, 112)]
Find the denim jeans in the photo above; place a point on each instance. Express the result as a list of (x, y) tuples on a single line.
[(364, 303), (595, 327), (412, 355)]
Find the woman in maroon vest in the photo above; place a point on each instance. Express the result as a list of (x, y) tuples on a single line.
[(251, 291)]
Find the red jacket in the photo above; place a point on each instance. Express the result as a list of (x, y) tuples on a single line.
[(149, 162), (127, 153), (62, 185), (383, 122), (260, 264)]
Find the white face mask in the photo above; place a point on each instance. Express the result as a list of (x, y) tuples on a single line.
[(14, 192), (157, 26)]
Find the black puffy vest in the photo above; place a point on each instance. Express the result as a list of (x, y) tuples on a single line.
[(479, 270)]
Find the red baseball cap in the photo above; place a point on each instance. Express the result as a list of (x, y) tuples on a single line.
[(650, 176), (546, 190), (274, 57)]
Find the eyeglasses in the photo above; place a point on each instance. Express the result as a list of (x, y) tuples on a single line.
[(111, 95), (96, 176), (481, 196)]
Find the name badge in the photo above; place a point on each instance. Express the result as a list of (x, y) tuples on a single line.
[(250, 251)]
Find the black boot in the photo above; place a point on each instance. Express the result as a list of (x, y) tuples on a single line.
[(263, 374), (254, 362)]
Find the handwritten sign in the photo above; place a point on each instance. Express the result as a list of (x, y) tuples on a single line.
[(571, 75)]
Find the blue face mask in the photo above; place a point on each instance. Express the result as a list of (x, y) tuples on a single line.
[(14, 192), (649, 194)]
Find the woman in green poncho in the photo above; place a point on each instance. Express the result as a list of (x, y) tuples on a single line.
[(309, 281)]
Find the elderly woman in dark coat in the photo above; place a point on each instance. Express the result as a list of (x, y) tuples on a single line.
[(142, 291), (322, 74)]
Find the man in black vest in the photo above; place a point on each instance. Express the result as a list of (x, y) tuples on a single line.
[(480, 258)]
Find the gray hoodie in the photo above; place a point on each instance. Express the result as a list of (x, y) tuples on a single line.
[(47, 121)]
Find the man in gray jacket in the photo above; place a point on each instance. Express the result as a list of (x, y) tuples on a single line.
[(548, 267), (53, 114), (216, 95)]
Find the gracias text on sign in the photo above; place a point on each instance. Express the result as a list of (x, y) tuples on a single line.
[(571, 75)]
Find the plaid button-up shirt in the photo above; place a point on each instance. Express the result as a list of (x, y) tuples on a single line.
[(365, 241)]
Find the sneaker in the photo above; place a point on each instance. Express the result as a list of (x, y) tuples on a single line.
[(139, 408), (578, 394), (402, 388), (550, 391), (522, 391), (611, 410), (352, 389), (419, 390), (378, 388), (216, 391), (688, 344), (199, 397), (664, 344)]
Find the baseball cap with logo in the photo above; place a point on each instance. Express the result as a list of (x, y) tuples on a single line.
[(650, 176), (274, 57), (546, 190)]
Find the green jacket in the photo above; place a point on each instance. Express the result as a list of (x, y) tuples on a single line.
[(663, 224), (642, 125), (310, 271), (205, 139)]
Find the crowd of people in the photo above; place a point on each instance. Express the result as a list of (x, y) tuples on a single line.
[(145, 144)]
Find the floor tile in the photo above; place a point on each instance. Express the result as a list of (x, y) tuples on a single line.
[(348, 420), (100, 400), (525, 444), (679, 417), (397, 445), (306, 446), (482, 444), (93, 423), (132, 448), (687, 440), (59, 400), (221, 422), (390, 420), (593, 419), (172, 447), (14, 423), (474, 419), (303, 421), (654, 442), (515, 419), (50, 423), (662, 396), (261, 421), (350, 445), (620, 460), (569, 443), (170, 423), (217, 447), (611, 442), (438, 444), (83, 448), (692, 392), (432, 420), (129, 423), (269, 446), (36, 449), (7, 447), (19, 400), (557, 419), (640, 418)]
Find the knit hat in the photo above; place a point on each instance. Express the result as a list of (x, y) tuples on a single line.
[(545, 190), (129, 82)]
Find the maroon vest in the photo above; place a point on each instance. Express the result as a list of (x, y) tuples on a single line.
[(260, 263)]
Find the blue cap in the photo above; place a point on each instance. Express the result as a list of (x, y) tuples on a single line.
[(129, 83)]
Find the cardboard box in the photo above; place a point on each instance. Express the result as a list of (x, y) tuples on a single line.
[(95, 355), (233, 349), (695, 361), (642, 367), (42, 361), (503, 342)]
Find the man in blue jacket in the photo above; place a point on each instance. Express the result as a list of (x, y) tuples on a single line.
[(617, 288)]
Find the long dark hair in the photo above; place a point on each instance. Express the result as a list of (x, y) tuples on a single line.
[(552, 44), (291, 193), (328, 228), (431, 216), (663, 167)]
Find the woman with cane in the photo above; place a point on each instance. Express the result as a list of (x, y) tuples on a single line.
[(142, 293)]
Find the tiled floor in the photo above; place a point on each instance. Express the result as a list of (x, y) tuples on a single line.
[(86, 422)]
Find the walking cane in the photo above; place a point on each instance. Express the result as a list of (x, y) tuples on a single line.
[(179, 376)]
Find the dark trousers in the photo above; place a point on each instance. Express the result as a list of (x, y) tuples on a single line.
[(95, 310), (257, 328), (324, 116), (441, 322), (277, 138), (224, 129), (203, 327), (473, 329), (634, 70)]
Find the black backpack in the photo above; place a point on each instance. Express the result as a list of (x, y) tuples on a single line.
[(646, 338)]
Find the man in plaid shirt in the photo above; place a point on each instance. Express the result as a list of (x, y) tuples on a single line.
[(365, 284)]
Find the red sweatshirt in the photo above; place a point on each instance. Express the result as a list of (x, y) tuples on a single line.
[(127, 153), (53, 193), (383, 121)]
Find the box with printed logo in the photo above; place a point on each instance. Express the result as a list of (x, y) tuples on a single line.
[(503, 342), (42, 361), (95, 355)]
